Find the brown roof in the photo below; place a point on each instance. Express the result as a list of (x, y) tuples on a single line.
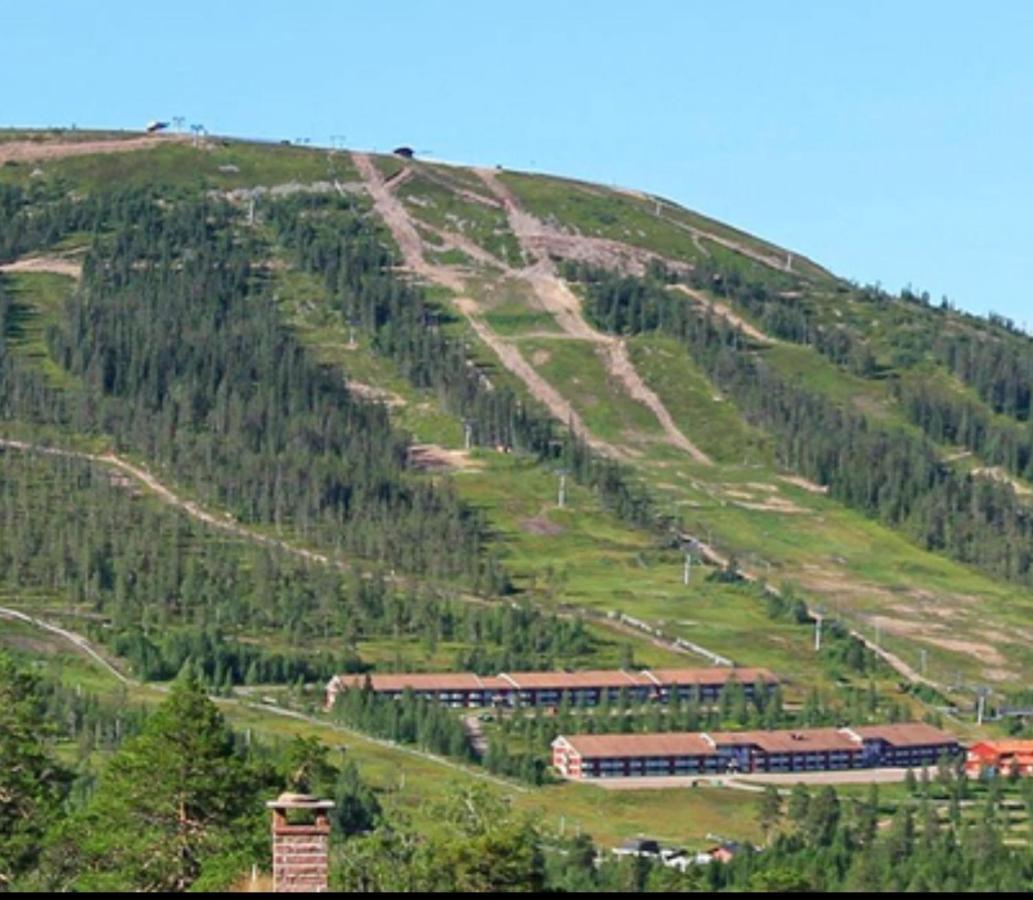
[(714, 675), (587, 679), (638, 745), (442, 681), (792, 740), (594, 678), (905, 734)]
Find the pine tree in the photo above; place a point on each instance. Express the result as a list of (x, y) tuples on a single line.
[(170, 803), (32, 784)]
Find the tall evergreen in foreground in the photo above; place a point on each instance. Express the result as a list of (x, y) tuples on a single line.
[(177, 807), (32, 783)]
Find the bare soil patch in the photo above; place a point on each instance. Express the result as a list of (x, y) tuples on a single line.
[(435, 458), (725, 312), (804, 483), (380, 395), (21, 151), (540, 525), (57, 265)]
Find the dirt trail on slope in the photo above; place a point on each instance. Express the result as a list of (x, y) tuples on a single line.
[(77, 639), (709, 553), (553, 292), (401, 226), (544, 392), (557, 298), (223, 522), (23, 151), (775, 262), (725, 312), (58, 265)]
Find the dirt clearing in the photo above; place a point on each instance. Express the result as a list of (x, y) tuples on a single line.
[(56, 265), (23, 151), (435, 458)]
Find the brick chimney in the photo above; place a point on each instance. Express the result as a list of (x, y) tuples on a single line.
[(301, 839)]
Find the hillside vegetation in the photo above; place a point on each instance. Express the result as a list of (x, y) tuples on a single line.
[(270, 413)]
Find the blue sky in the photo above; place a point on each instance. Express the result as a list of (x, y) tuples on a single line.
[(892, 142)]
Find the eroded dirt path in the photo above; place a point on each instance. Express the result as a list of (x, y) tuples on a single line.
[(398, 221), (542, 391), (725, 312), (223, 522), (565, 306), (57, 265), (24, 151)]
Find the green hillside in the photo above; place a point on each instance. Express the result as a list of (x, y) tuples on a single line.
[(274, 412)]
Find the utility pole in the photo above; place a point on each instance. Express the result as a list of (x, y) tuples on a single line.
[(561, 498), (687, 576), (981, 706), (817, 633)]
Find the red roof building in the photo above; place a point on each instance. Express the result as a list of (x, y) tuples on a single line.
[(1000, 758)]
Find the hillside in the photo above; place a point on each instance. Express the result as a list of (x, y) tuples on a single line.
[(276, 412)]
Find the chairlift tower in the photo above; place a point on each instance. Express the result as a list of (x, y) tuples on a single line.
[(691, 545), (982, 694)]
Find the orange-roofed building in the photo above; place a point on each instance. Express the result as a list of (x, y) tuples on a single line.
[(1000, 758)]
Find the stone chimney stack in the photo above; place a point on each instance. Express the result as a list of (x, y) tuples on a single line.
[(301, 843)]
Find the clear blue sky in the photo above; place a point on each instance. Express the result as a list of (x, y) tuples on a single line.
[(891, 141)]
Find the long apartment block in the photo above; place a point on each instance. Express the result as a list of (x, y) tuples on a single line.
[(586, 688), (903, 745)]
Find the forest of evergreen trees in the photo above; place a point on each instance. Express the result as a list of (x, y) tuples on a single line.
[(181, 357), (160, 589)]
